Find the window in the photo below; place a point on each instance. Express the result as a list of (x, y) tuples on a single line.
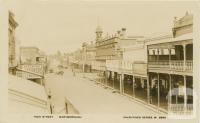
[(165, 52), (172, 51)]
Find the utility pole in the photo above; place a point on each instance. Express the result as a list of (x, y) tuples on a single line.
[(84, 59)]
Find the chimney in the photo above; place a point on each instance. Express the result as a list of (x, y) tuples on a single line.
[(186, 13), (118, 33), (123, 34), (175, 18)]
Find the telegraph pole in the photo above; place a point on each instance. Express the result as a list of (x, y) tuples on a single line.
[(84, 59)]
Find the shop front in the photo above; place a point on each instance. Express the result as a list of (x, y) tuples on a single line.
[(110, 79), (116, 81), (171, 89), (128, 84), (140, 88)]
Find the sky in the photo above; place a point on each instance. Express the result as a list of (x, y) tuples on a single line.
[(64, 25)]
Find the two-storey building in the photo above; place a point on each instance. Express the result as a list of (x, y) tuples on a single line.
[(88, 54), (112, 53), (105, 50), (134, 69), (28, 55), (75, 59), (170, 67), (129, 73), (33, 64)]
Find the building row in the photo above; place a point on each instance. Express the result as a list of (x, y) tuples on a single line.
[(24, 63), (156, 70)]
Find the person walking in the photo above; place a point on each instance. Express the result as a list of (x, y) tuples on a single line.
[(50, 103), (74, 74)]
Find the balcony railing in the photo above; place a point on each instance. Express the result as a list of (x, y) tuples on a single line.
[(30, 71), (177, 65), (172, 65), (180, 108), (189, 65)]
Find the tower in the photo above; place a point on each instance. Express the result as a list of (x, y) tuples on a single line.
[(99, 32)]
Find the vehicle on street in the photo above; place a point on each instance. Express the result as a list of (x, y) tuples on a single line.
[(60, 72), (60, 66), (51, 71)]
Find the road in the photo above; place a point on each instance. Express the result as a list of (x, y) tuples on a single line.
[(90, 98)]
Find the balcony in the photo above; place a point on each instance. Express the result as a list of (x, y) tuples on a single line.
[(176, 65), (30, 71), (180, 109)]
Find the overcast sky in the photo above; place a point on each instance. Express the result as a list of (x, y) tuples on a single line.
[(53, 25)]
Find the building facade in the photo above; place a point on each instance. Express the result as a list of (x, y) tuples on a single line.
[(89, 53), (157, 71), (75, 59), (170, 68), (28, 55), (116, 56), (129, 73), (33, 64), (106, 49), (135, 74), (12, 43)]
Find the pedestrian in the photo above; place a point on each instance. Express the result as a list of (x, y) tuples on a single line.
[(49, 93), (151, 100), (74, 74), (51, 106)]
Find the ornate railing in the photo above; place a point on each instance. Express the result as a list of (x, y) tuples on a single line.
[(177, 65), (189, 65), (172, 65), (30, 71), (180, 108)]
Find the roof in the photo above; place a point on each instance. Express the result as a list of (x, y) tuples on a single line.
[(27, 87), (185, 20), (184, 37), (28, 47), (133, 47)]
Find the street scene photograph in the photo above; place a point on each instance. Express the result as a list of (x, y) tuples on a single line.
[(114, 57)]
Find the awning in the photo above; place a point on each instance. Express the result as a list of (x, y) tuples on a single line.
[(157, 43)]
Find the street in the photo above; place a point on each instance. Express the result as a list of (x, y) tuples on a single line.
[(88, 97)]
